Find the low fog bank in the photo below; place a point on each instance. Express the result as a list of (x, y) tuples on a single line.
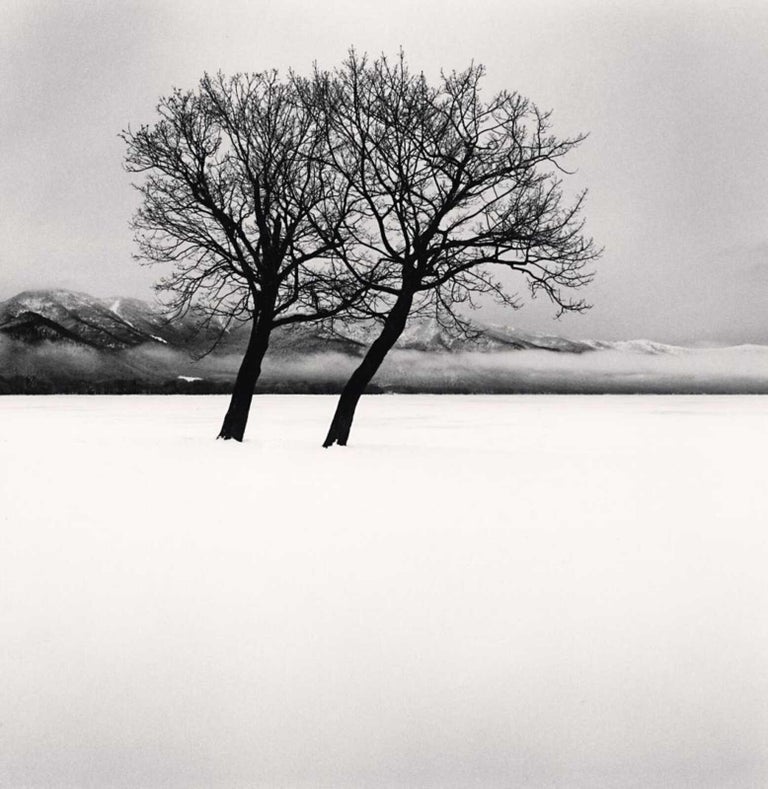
[(60, 368), (53, 368), (742, 369)]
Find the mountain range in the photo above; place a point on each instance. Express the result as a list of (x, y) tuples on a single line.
[(60, 341), (115, 324)]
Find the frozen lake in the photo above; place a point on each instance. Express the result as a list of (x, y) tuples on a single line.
[(479, 592)]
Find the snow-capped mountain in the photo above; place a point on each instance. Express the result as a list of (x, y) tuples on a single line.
[(119, 323), (116, 324), (62, 341), (104, 324)]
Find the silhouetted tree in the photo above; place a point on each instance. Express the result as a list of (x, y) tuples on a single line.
[(448, 189), (239, 195)]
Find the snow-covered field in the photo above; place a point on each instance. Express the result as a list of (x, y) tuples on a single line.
[(478, 592)]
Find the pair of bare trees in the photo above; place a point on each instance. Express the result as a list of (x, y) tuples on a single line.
[(364, 193)]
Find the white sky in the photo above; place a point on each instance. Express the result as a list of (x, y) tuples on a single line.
[(674, 95)]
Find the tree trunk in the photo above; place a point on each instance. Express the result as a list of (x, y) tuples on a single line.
[(250, 369), (362, 376)]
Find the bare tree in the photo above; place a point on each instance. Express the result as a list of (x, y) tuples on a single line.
[(240, 198), (449, 192)]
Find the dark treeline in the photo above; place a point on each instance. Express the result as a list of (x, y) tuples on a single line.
[(24, 384), (30, 385)]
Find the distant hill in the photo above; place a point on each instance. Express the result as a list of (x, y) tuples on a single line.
[(120, 323), (105, 324), (63, 341)]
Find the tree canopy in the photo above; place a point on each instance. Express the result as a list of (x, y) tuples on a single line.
[(450, 191), (239, 199), (361, 192)]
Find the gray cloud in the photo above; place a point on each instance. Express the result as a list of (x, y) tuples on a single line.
[(673, 95)]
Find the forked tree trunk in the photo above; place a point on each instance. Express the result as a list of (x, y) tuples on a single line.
[(250, 369), (362, 376)]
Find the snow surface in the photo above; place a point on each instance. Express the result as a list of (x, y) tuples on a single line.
[(478, 592)]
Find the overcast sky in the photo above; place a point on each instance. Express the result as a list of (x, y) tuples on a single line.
[(674, 95)]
